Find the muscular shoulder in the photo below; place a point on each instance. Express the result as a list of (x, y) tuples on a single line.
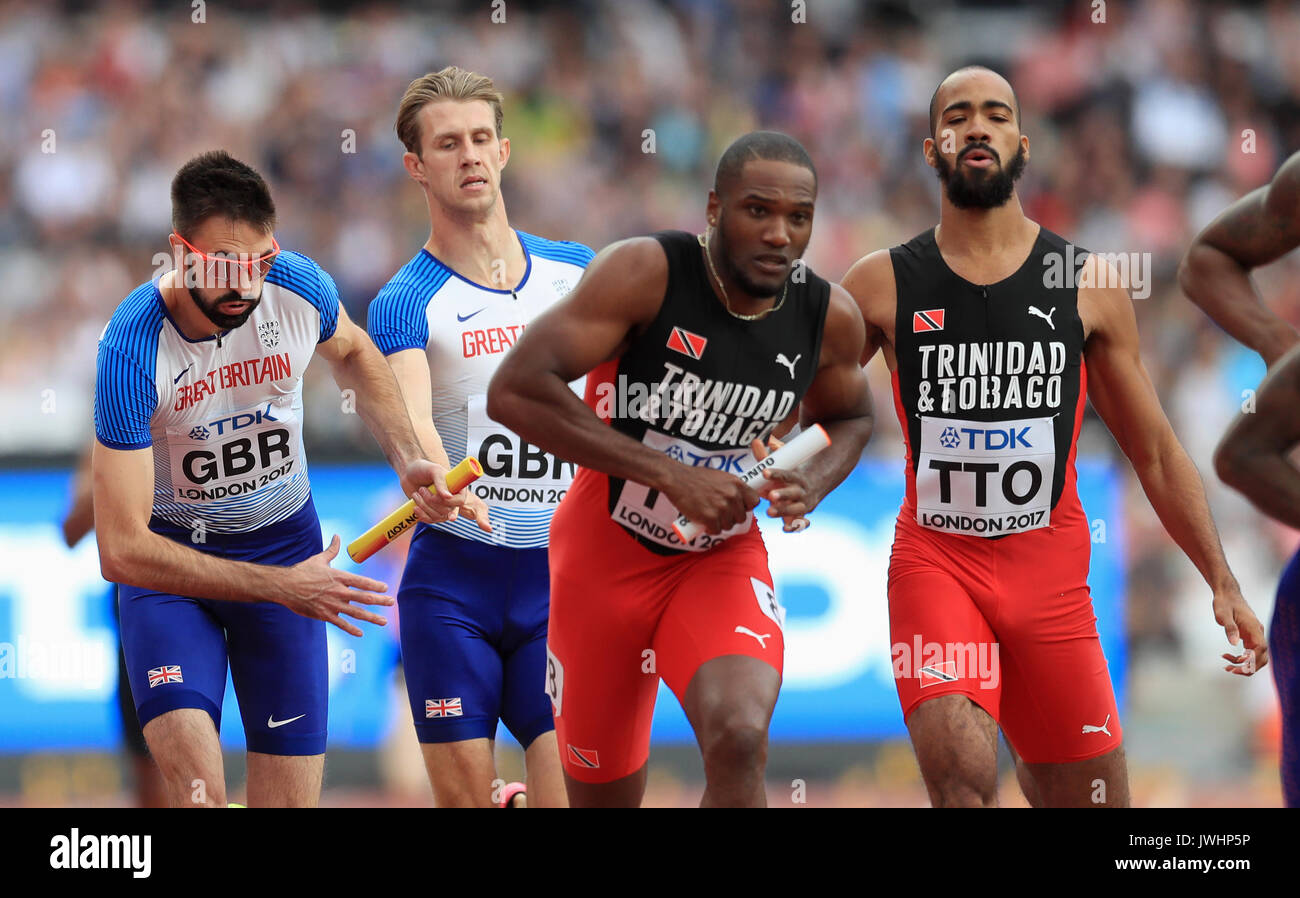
[(643, 256), (1284, 190), (845, 334), (133, 329), (1104, 302), (870, 283), (629, 276)]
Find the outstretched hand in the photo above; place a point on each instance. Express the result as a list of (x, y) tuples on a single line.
[(316, 590)]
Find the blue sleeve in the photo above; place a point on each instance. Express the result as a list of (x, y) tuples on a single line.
[(586, 253), (326, 302), (125, 400), (397, 318), (303, 276)]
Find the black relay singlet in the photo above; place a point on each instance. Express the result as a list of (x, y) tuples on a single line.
[(989, 389), (700, 385)]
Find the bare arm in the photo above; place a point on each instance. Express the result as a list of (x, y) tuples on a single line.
[(620, 293), (1252, 457), (1124, 397), (1215, 274), (80, 517), (129, 552), (359, 366), (840, 401), (411, 368), (870, 283)]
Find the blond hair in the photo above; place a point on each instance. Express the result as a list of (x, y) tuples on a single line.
[(452, 83)]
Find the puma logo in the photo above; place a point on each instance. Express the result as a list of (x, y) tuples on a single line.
[(749, 632), (1101, 729), (782, 360), (1038, 313)]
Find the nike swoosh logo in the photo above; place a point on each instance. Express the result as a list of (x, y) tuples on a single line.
[(273, 723), (182, 374), (464, 318)]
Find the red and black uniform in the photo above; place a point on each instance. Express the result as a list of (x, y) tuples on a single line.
[(629, 602), (988, 592)]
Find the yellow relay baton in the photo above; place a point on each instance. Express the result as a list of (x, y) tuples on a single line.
[(403, 519)]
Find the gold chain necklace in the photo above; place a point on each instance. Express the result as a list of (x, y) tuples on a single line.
[(704, 242)]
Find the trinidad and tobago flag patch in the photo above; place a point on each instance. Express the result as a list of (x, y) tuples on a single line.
[(934, 674), (931, 320), (687, 343), (584, 757)]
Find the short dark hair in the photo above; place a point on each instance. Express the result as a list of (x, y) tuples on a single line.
[(770, 145), (934, 97), (216, 183)]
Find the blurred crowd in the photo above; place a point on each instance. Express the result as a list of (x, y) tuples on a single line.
[(1142, 127)]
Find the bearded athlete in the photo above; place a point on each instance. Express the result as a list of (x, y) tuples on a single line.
[(991, 359)]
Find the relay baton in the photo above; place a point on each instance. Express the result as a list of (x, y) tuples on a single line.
[(803, 447), (403, 519)]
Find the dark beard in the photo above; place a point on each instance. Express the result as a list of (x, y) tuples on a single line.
[(225, 322), (967, 190)]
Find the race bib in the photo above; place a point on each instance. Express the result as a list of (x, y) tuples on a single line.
[(648, 513), (985, 478), (516, 474), (236, 454)]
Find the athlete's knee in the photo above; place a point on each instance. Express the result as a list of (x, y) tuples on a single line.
[(964, 793), (734, 741)]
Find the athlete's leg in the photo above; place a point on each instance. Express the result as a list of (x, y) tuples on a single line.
[(720, 648), (607, 593), (452, 603), (280, 668), (460, 772), (1284, 651), (149, 791), (626, 792), (1058, 707), (284, 781), (175, 653), (1025, 778), (956, 745), (525, 705), (729, 703), (546, 787), (937, 630), (601, 686), (184, 742), (1100, 782)]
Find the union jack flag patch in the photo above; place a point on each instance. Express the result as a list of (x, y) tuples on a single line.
[(443, 707), (168, 673)]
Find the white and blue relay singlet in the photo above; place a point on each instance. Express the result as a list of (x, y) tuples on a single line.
[(223, 416), (465, 329)]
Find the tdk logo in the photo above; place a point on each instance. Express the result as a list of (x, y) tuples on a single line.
[(732, 462), (993, 438), (235, 422)]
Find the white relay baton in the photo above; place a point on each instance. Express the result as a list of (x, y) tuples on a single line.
[(803, 447)]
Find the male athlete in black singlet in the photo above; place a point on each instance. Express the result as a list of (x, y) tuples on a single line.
[(994, 339), (697, 349)]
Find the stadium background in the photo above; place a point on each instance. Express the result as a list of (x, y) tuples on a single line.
[(1143, 126)]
